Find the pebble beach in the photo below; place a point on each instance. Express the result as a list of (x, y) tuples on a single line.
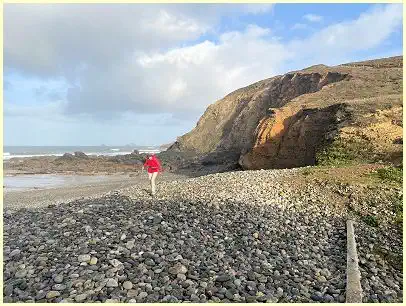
[(232, 237)]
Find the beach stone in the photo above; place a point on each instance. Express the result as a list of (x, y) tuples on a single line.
[(263, 279), (325, 272), (116, 263), (322, 279), (52, 294), (111, 282), (169, 299), (58, 279), (21, 273), (84, 258), (194, 298), (203, 285), (132, 293), (130, 244), (80, 297), (223, 278), (272, 299), (127, 285), (14, 253), (316, 297), (9, 289), (93, 261), (178, 269), (23, 285), (59, 287), (328, 298), (150, 262)]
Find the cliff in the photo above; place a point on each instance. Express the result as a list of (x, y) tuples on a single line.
[(306, 117)]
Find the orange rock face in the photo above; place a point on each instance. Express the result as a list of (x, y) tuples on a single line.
[(291, 137)]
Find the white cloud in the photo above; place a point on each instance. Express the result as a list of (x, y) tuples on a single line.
[(137, 65), (66, 36), (173, 26), (313, 18), (73, 35), (184, 79), (188, 79), (339, 40)]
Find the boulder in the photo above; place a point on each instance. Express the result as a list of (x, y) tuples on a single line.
[(81, 155), (68, 156)]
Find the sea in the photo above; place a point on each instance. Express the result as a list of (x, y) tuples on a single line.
[(36, 151), (12, 182)]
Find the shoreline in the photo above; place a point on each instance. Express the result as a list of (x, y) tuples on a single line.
[(12, 173), (34, 198), (27, 182)]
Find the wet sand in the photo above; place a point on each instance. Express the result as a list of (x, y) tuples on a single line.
[(71, 188), (46, 181)]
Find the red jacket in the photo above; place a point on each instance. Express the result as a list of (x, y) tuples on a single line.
[(153, 165)]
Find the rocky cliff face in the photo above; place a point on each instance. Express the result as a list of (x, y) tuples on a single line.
[(290, 138), (285, 121)]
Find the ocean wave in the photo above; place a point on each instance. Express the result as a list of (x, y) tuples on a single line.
[(149, 151), (9, 156)]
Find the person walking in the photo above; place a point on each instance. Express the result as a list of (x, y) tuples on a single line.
[(153, 167)]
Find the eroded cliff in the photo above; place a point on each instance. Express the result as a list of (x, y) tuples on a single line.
[(286, 121)]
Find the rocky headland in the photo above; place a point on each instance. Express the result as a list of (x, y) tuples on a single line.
[(318, 115)]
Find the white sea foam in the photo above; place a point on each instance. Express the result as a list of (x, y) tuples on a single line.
[(7, 156), (149, 151)]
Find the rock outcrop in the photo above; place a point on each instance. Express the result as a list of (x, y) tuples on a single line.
[(67, 156), (80, 154), (285, 121), (290, 139)]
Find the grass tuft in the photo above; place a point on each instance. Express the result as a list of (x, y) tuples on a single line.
[(390, 174), (370, 220)]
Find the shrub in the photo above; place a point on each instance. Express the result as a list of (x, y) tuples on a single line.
[(390, 174), (370, 220)]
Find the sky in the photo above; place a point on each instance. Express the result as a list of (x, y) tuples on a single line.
[(114, 74)]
